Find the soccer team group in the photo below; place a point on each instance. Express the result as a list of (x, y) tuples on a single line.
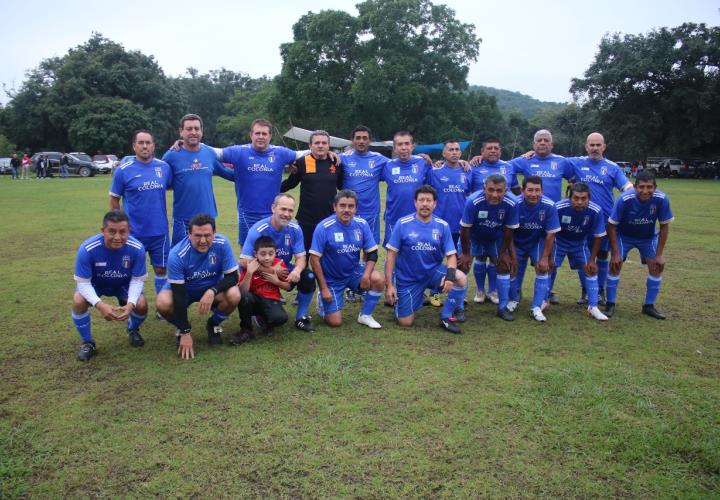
[(440, 221)]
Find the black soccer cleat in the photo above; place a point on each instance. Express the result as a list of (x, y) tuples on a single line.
[(552, 298), (609, 309), (240, 337), (459, 315), (505, 314), (601, 298), (448, 324), (135, 338), (87, 351), (583, 300), (649, 309), (305, 324), (213, 332)]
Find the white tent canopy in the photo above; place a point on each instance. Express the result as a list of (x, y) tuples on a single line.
[(303, 135)]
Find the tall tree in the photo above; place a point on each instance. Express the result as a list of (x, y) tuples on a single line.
[(657, 93)]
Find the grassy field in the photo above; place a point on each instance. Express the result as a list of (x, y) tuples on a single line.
[(570, 408)]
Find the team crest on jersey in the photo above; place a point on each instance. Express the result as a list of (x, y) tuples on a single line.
[(586, 220), (482, 214), (653, 209), (541, 215), (271, 158), (436, 234), (196, 165), (414, 169), (603, 170), (213, 258), (358, 235), (371, 163), (126, 262), (503, 170), (553, 165), (462, 178), (501, 213), (339, 237), (396, 171), (158, 172), (333, 169), (287, 240)]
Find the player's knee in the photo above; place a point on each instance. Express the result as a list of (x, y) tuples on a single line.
[(307, 282), (164, 303), (232, 297), (406, 321), (277, 317), (377, 281), (79, 305), (334, 319), (160, 272), (460, 279), (142, 306)]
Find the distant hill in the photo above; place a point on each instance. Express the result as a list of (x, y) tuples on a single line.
[(509, 101)]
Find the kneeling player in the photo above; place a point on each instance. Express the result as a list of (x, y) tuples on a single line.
[(334, 257), (260, 288), (416, 249), (203, 269), (632, 225), (580, 218), (111, 263)]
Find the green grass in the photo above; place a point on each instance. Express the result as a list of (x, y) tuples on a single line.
[(571, 408)]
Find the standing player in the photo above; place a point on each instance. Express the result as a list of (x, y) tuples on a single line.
[(334, 257), (490, 163), (580, 220), (632, 225), (403, 175), (488, 222), (141, 183), (362, 171), (193, 167), (289, 243), (534, 239), (111, 263), (601, 175), (203, 269), (417, 247), (543, 163)]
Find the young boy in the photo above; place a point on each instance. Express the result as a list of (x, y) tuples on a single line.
[(260, 288)]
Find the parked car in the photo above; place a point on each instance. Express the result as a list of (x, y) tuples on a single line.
[(5, 166), (668, 167), (104, 163), (77, 163)]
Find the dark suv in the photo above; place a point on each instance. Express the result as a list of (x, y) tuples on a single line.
[(77, 163)]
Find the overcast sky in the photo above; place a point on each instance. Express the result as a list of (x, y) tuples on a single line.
[(528, 46)]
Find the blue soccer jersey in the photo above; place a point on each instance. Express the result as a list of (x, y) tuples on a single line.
[(258, 175), (288, 240), (550, 169), (485, 169), (453, 188), (192, 173), (577, 226), (421, 247), (142, 188), (536, 222), (636, 219), (402, 178), (338, 245), (199, 271), (362, 174), (601, 175), (107, 269), (487, 222)]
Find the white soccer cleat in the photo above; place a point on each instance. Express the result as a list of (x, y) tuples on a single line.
[(368, 320), (512, 305), (544, 305), (479, 297), (596, 313), (537, 314), (493, 296)]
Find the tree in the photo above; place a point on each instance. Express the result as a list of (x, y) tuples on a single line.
[(657, 93), (7, 148), (244, 106), (399, 64)]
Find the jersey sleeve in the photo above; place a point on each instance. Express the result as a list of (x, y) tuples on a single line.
[(599, 229), (468, 216), (230, 263), (665, 214), (619, 179), (175, 270), (298, 246), (395, 241), (139, 267), (231, 154), (169, 171), (567, 169), (248, 248), (287, 156), (447, 241), (617, 211), (368, 239), (117, 187), (318, 241), (294, 178), (83, 265), (552, 221), (221, 170), (513, 218)]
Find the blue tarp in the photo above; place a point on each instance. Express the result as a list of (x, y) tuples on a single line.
[(437, 148)]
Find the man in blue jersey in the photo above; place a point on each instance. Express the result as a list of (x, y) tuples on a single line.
[(545, 164), (111, 263), (486, 164), (632, 225), (289, 244), (202, 268), (534, 239), (334, 257), (403, 175), (489, 219), (580, 220), (193, 167), (417, 247), (602, 176), (362, 172), (141, 183)]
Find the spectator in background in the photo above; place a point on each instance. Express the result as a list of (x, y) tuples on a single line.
[(26, 166), (15, 165)]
